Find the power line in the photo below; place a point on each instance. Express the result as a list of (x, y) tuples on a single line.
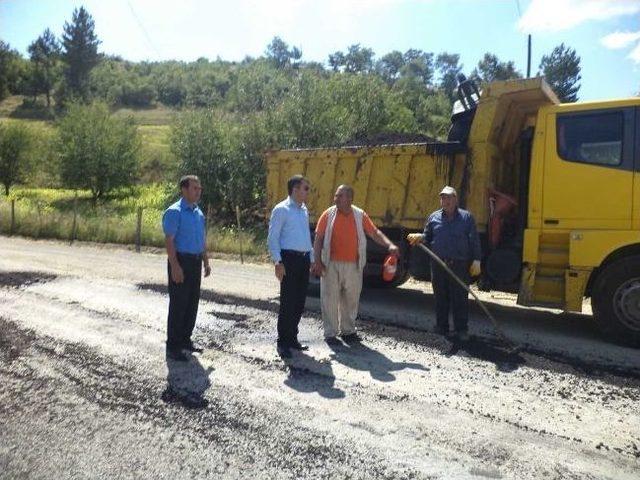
[(528, 41), (142, 29)]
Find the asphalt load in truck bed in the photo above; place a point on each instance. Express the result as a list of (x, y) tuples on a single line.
[(86, 392)]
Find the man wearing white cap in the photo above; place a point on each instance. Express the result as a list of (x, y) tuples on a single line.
[(450, 233)]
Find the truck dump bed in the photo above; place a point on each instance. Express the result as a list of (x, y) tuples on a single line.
[(395, 184)]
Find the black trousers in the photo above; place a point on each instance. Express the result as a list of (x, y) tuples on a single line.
[(293, 294), (183, 302), (449, 295)]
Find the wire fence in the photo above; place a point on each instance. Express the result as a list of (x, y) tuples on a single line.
[(139, 226)]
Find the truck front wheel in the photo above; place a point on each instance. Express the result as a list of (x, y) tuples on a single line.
[(616, 300)]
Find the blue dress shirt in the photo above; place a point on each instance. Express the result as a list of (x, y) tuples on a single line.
[(453, 238), (187, 225), (289, 229)]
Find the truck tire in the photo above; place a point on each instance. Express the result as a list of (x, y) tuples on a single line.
[(616, 300)]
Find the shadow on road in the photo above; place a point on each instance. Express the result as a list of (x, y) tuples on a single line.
[(360, 357), (16, 279), (221, 298), (187, 383), (307, 375), (481, 349), (407, 304)]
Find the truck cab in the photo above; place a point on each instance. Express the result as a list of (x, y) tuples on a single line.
[(583, 223)]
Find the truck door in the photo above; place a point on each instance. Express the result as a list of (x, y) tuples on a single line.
[(588, 170)]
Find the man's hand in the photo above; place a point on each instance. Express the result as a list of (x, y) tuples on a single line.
[(394, 250), (475, 269), (318, 268), (207, 269), (280, 271), (414, 238), (177, 275)]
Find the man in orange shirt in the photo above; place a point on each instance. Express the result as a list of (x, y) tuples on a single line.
[(340, 253)]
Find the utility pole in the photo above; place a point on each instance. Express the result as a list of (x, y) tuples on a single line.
[(529, 56)]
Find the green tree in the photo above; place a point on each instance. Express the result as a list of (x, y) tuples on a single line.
[(448, 66), (357, 60), (259, 86), (336, 61), (433, 114), (202, 143), (388, 67), (45, 58), (170, 81), (561, 69), (490, 69), (308, 116), (362, 99), (418, 64), (97, 151), (281, 55), (80, 53), (15, 144), (11, 70)]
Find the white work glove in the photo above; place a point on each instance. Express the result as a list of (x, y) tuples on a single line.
[(414, 238), (475, 269)]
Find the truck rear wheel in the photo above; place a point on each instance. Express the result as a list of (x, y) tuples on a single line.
[(616, 300)]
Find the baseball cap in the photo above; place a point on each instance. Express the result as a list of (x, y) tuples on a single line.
[(449, 191)]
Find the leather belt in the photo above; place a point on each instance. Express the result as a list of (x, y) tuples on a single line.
[(295, 253)]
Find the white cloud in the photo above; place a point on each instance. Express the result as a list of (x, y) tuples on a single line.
[(635, 54), (558, 15), (619, 40)]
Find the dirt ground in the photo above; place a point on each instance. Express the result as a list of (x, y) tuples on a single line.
[(86, 392)]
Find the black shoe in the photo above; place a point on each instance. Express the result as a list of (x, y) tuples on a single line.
[(284, 352), (333, 342), (352, 338), (440, 331), (462, 336), (177, 355), (193, 349), (296, 345)]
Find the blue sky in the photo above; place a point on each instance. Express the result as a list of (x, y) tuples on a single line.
[(606, 33)]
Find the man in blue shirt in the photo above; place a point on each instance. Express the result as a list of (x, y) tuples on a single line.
[(185, 238), (451, 234), (290, 247)]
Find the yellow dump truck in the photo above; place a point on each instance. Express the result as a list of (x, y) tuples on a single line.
[(554, 189)]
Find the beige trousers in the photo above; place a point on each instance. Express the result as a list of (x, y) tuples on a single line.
[(340, 288)]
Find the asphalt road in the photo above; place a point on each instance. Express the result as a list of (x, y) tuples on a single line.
[(86, 392)]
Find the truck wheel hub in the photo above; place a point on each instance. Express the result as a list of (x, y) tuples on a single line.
[(626, 302)]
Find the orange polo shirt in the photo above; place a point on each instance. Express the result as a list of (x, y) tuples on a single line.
[(344, 238)]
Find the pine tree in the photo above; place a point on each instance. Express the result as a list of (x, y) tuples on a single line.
[(448, 66), (80, 55), (10, 70), (490, 69), (45, 55), (561, 69)]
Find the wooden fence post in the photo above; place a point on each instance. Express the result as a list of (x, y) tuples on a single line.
[(75, 218), (12, 228), (239, 234), (39, 207), (139, 230)]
